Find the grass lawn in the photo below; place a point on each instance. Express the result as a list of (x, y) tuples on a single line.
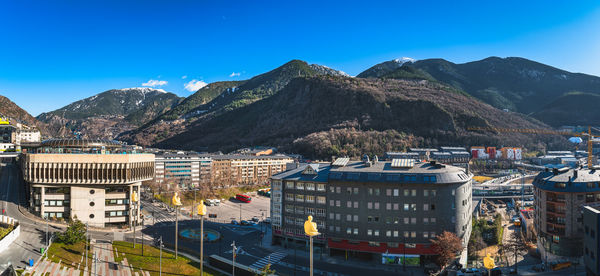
[(69, 255), (150, 261)]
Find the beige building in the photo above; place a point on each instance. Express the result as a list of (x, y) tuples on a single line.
[(89, 179), (236, 169)]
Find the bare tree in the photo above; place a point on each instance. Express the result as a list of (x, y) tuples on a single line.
[(446, 245), (515, 244)]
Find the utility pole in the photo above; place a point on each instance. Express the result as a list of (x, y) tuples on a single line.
[(234, 253), (240, 213), (141, 233), (160, 257), (176, 228)]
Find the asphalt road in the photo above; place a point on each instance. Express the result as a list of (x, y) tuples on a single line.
[(33, 234)]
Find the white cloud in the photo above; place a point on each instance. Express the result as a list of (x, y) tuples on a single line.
[(194, 85), (154, 83), (234, 74), (184, 77)]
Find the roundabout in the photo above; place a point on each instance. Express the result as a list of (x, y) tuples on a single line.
[(194, 234)]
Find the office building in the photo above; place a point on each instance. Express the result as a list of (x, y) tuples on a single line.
[(89, 179), (187, 170), (373, 209)]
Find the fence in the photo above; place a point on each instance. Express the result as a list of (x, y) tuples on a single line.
[(13, 235)]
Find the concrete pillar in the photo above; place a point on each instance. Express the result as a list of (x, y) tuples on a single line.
[(42, 199)]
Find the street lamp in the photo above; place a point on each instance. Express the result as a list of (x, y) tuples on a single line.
[(142, 234), (310, 229), (160, 256), (134, 200), (202, 213), (176, 202), (233, 251)]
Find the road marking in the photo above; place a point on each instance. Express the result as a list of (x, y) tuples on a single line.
[(269, 259)]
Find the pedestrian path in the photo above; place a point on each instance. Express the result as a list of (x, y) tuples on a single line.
[(269, 259)]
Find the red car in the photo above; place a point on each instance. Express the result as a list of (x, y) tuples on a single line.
[(243, 198)]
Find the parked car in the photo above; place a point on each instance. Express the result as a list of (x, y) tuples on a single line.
[(234, 222), (209, 202), (255, 219), (245, 223), (267, 220)]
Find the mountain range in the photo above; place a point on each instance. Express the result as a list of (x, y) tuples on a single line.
[(319, 111)]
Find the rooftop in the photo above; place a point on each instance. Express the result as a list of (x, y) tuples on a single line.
[(80, 143)]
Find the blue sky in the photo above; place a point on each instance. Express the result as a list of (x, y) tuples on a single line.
[(55, 52)]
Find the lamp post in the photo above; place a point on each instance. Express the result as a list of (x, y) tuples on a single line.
[(233, 252), (202, 213), (176, 202), (142, 234), (160, 256), (310, 229), (240, 213), (134, 200)]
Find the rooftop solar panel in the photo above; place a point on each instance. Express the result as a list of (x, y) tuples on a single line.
[(341, 161), (403, 163)]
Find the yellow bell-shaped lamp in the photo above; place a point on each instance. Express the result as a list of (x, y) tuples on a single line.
[(488, 262), (310, 227), (176, 200), (134, 197), (201, 209)]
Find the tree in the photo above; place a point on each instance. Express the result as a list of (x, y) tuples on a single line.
[(515, 244), (75, 233), (446, 245), (476, 242), (266, 270)]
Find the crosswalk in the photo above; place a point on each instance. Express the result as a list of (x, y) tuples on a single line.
[(269, 259)]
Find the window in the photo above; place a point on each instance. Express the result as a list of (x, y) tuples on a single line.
[(370, 191), (406, 234), (396, 206), (432, 220), (355, 191), (331, 216), (348, 217), (321, 200), (376, 191), (310, 198), (396, 192), (413, 220), (376, 219), (299, 210), (433, 192), (388, 206), (376, 205), (425, 220), (376, 232), (331, 202), (355, 204), (406, 192), (413, 207), (338, 216), (348, 231), (300, 186), (406, 206), (300, 198), (425, 207), (338, 203), (369, 232), (369, 205), (355, 231), (388, 233), (311, 186), (310, 211), (388, 192), (406, 220), (396, 220), (395, 233), (349, 204), (289, 185), (432, 206), (320, 212), (338, 190), (331, 189), (337, 229), (425, 192), (355, 218), (349, 190), (413, 234), (369, 219), (289, 197), (453, 191)]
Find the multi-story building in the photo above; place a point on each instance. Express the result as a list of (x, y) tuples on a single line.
[(29, 134), (296, 194), (375, 208), (591, 240), (559, 197), (188, 170), (92, 180), (236, 169), (12, 135)]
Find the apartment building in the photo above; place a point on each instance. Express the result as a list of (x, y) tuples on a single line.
[(236, 169), (89, 179), (591, 240), (12, 135), (559, 198), (373, 209), (187, 170)]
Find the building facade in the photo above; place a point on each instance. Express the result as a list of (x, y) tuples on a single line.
[(236, 169), (559, 197), (92, 180), (375, 208), (188, 170), (591, 240)]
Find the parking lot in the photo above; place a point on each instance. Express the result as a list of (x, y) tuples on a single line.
[(229, 209)]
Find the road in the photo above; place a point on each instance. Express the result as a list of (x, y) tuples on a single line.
[(33, 234)]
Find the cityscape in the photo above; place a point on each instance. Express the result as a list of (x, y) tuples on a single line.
[(348, 138)]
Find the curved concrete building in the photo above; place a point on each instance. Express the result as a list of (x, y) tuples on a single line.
[(89, 179), (560, 196)]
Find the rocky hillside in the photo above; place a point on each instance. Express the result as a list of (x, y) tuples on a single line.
[(12, 111), (110, 113), (516, 84), (222, 97), (321, 116), (574, 108)]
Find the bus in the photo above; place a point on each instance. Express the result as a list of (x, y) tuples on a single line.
[(243, 198)]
